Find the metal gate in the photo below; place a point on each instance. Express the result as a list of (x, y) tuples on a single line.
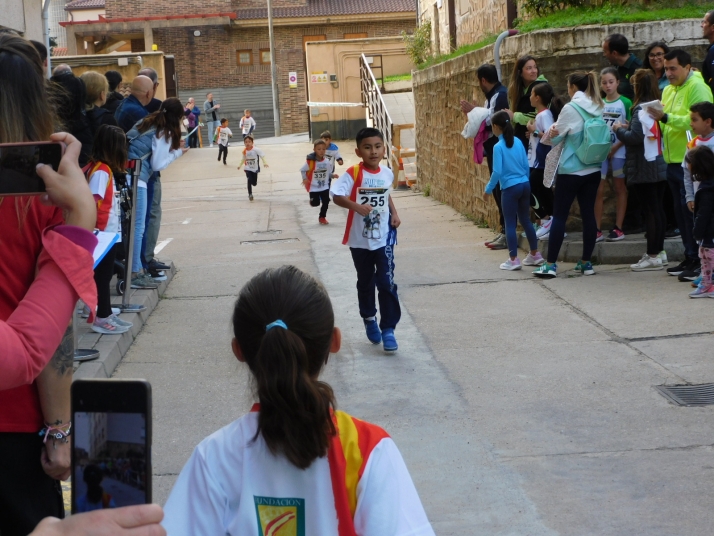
[(373, 101)]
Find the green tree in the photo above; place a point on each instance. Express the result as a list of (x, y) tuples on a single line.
[(419, 43)]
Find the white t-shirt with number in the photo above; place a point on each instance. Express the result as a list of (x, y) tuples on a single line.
[(251, 159), (368, 232), (246, 124), (333, 155), (617, 111), (223, 133), (320, 175)]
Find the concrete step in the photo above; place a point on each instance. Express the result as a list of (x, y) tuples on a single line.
[(626, 251)]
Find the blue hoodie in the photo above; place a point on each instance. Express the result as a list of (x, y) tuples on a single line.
[(510, 166)]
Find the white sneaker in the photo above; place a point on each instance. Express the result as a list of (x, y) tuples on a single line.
[(116, 310), (121, 323), (663, 257), (533, 260), (647, 264), (511, 265), (544, 230)]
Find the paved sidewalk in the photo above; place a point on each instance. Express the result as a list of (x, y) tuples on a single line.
[(521, 406)]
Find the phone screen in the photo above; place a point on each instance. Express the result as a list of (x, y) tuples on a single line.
[(18, 164), (110, 453)]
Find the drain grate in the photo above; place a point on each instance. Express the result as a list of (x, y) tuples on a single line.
[(271, 232), (269, 241), (688, 395)]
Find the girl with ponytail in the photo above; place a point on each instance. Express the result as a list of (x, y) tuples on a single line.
[(511, 171), (294, 461)]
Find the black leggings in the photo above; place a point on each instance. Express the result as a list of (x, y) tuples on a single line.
[(651, 196), (567, 188), (318, 198), (252, 178), (541, 196), (103, 274)]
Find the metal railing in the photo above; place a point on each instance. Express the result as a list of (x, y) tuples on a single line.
[(373, 101)]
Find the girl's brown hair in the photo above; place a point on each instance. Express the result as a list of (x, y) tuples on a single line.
[(516, 87), (110, 148), (295, 408), (701, 160), (587, 83), (94, 83), (167, 120), (645, 85)]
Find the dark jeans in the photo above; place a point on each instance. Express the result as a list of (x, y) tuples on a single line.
[(222, 150), (567, 189), (193, 140), (252, 177), (684, 217), (320, 198), (541, 196), (375, 269), (516, 203), (103, 274), (650, 196), (27, 494)]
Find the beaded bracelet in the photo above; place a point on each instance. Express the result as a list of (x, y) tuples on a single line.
[(59, 432)]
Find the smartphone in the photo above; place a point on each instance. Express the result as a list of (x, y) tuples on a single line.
[(18, 163), (111, 444)]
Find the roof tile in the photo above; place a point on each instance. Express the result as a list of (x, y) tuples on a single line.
[(84, 4), (322, 8)]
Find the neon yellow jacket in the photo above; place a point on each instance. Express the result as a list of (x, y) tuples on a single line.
[(676, 101)]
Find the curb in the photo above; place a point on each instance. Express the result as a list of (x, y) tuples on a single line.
[(113, 348)]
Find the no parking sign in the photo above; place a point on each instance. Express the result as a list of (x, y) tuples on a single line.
[(292, 78)]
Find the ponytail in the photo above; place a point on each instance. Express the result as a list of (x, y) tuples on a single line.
[(546, 94), (588, 84), (283, 322), (503, 121)]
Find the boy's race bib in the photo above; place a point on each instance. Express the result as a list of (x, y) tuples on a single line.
[(376, 224), (251, 164), (319, 177)]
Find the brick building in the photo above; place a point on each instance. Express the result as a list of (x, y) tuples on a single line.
[(223, 45)]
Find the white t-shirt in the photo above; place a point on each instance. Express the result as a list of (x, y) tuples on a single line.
[(251, 159), (246, 123), (320, 175), (232, 485), (223, 133), (98, 186), (616, 112), (373, 231), (543, 122), (333, 155)]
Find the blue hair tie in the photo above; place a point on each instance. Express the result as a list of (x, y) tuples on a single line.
[(276, 324)]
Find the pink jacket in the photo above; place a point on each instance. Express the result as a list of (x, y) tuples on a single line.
[(32, 333)]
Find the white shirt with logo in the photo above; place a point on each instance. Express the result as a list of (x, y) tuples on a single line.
[(232, 485), (320, 175), (251, 159), (98, 186), (223, 133), (246, 124), (333, 155)]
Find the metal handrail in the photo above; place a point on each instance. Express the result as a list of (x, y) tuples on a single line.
[(377, 109)]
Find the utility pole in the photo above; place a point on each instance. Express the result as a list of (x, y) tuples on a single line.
[(273, 70), (46, 34)]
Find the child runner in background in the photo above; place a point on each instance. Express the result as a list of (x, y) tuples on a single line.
[(251, 156), (316, 174), (616, 110), (371, 234), (333, 152), (342, 475), (702, 123), (700, 161), (109, 154), (223, 133), (511, 171), (247, 124), (547, 107)]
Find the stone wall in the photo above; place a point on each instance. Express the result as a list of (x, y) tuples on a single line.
[(445, 159)]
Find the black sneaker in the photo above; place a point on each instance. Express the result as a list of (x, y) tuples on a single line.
[(672, 234), (693, 271), (676, 270), (156, 265)]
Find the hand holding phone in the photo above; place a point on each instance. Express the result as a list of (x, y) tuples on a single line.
[(142, 520)]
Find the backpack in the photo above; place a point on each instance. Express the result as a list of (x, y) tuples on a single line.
[(597, 138)]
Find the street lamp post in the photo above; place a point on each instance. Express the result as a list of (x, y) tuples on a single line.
[(46, 34), (273, 71)]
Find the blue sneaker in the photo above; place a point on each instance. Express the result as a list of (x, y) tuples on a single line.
[(697, 282), (373, 333), (585, 268), (390, 342)]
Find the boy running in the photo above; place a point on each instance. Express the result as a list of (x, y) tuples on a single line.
[(316, 175), (247, 124), (222, 135), (251, 156), (333, 152), (371, 234)]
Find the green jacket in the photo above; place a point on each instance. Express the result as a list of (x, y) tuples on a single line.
[(676, 101)]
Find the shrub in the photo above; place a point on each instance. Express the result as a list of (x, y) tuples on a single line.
[(419, 43), (546, 7)]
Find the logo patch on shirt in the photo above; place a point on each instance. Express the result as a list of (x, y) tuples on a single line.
[(280, 516)]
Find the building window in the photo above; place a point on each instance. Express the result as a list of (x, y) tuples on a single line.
[(362, 35), (307, 38), (265, 56), (244, 57)]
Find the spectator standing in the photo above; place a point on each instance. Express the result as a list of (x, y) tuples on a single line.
[(525, 77), (132, 109), (70, 98), (616, 50), (496, 100), (645, 167), (190, 112), (97, 87), (686, 87), (576, 179), (209, 108), (114, 98), (42, 51), (154, 103), (654, 61), (708, 34)]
